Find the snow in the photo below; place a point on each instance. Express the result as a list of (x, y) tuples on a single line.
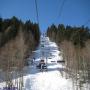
[(52, 78)]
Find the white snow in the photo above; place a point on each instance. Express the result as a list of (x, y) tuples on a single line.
[(52, 78)]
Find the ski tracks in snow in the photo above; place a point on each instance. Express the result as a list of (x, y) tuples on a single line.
[(50, 79)]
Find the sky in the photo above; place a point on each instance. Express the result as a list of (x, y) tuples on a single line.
[(67, 12)]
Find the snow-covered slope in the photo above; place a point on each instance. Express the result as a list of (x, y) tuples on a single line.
[(52, 78)]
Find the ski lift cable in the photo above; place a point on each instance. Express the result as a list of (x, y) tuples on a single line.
[(37, 15), (61, 9)]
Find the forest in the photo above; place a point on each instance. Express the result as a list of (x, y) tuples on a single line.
[(17, 41), (74, 44)]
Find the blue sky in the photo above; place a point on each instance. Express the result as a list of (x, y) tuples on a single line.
[(74, 12)]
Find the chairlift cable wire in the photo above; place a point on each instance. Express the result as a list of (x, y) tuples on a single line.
[(37, 15), (61, 9)]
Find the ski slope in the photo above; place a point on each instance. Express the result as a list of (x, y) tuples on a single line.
[(52, 78)]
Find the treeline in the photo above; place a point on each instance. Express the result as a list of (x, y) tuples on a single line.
[(17, 41), (77, 35), (9, 29), (74, 43)]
